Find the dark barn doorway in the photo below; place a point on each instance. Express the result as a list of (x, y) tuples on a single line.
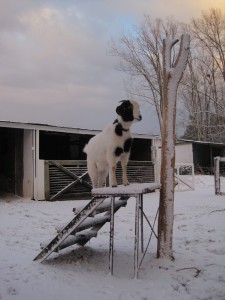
[(203, 155), (11, 161), (62, 146)]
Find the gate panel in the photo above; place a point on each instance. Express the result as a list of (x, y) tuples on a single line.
[(58, 179), (184, 176)]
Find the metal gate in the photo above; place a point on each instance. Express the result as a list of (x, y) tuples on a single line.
[(184, 176), (69, 179)]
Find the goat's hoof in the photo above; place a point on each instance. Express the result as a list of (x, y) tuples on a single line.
[(114, 185), (127, 183)]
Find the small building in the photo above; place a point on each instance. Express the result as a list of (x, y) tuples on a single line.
[(191, 157), (43, 162), (201, 154)]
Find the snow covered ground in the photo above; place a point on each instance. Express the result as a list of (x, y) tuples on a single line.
[(198, 271)]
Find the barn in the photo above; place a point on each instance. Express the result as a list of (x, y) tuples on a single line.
[(45, 162)]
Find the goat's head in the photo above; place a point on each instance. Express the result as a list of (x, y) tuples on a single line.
[(129, 111)]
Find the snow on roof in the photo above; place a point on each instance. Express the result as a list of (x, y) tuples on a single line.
[(55, 128), (179, 141), (46, 127)]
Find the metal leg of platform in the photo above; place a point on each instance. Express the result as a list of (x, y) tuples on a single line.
[(139, 233), (142, 222), (136, 240), (111, 239)]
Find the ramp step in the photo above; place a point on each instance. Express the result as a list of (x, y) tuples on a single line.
[(96, 228), (105, 206), (79, 238), (84, 219), (89, 222), (68, 229)]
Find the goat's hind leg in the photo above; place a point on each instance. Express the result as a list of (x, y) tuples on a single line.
[(93, 173)]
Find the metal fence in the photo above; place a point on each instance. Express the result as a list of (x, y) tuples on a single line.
[(184, 176), (60, 180)]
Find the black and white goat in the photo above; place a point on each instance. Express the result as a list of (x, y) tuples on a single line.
[(111, 145)]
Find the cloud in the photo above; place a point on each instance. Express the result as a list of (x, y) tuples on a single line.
[(53, 50), (54, 66)]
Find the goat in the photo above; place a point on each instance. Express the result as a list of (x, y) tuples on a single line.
[(111, 145)]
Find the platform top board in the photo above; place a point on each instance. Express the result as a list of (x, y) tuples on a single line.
[(129, 190)]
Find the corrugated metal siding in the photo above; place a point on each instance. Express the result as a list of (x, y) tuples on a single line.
[(59, 179), (137, 172)]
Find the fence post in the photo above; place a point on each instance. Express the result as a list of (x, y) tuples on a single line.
[(217, 174)]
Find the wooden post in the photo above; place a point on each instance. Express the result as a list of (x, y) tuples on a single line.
[(171, 77), (217, 175)]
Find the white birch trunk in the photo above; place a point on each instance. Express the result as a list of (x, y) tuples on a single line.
[(171, 78)]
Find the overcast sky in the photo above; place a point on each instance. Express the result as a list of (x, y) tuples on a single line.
[(54, 66)]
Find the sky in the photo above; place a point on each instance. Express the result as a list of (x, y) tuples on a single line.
[(55, 66)]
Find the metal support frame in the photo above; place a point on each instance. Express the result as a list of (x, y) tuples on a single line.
[(136, 191), (111, 238), (139, 233), (142, 222), (136, 239)]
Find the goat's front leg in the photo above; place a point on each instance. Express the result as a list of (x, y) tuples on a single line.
[(112, 176), (102, 174), (124, 161), (112, 162)]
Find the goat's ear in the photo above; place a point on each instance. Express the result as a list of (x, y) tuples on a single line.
[(122, 107), (119, 110)]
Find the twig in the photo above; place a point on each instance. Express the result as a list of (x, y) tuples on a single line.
[(216, 210), (198, 271)]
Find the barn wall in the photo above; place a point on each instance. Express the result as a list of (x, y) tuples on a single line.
[(156, 157), (40, 195), (184, 153), (39, 170), (28, 166)]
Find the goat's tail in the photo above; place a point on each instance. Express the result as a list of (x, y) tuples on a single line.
[(85, 148)]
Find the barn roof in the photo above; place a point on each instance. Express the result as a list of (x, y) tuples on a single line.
[(55, 128)]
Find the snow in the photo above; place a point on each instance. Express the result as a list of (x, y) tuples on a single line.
[(132, 189), (198, 271)]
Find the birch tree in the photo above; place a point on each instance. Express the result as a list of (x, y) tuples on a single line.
[(209, 30), (172, 74), (140, 54), (203, 88), (203, 93)]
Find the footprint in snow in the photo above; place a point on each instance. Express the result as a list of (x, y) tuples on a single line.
[(12, 291)]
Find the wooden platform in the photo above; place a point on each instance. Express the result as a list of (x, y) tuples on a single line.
[(133, 189)]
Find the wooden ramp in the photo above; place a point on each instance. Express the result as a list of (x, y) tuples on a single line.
[(85, 225), (101, 209)]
